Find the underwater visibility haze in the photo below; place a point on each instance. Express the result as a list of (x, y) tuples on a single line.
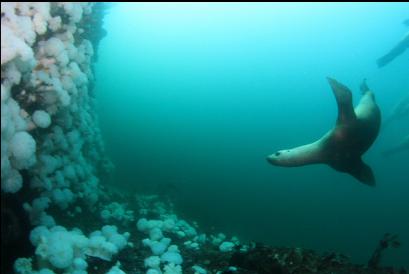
[(200, 94), (187, 100)]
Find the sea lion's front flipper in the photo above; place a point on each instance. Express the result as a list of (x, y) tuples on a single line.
[(344, 101), (357, 168), (363, 173)]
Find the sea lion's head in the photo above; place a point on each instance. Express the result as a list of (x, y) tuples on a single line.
[(281, 158), (297, 156)]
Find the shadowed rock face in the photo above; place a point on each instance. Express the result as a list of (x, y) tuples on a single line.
[(270, 260), (15, 231)]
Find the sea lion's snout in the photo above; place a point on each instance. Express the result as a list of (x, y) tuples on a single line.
[(282, 157), (272, 159)]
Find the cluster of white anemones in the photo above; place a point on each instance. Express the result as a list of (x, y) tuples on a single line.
[(48, 126), (163, 232), (60, 249), (49, 129)]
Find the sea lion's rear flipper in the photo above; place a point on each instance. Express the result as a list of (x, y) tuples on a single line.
[(343, 96), (364, 87), (362, 172)]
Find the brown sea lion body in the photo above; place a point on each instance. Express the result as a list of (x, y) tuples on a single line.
[(341, 147)]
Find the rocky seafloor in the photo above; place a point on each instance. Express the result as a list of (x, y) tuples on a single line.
[(254, 258)]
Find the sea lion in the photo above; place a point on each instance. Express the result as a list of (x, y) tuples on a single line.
[(401, 110), (399, 147), (341, 147), (397, 50)]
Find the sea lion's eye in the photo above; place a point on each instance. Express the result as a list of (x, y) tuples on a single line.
[(278, 153)]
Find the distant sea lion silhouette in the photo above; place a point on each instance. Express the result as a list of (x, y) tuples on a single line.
[(401, 110), (341, 147), (399, 147), (397, 50)]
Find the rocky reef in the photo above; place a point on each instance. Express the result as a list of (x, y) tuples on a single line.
[(52, 153)]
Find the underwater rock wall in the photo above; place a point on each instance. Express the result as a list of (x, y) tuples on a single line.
[(48, 127), (51, 144)]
